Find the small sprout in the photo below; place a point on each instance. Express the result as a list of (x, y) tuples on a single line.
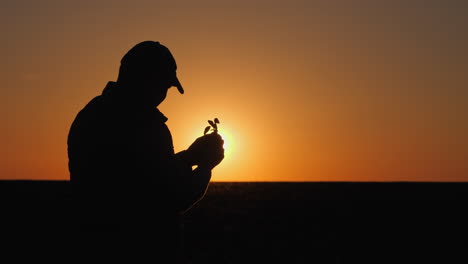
[(206, 130), (213, 126)]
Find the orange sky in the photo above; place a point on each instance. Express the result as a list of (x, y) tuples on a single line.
[(305, 90)]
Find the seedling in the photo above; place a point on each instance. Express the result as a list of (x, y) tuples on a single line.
[(212, 127)]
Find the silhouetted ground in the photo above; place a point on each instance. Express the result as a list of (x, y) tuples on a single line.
[(315, 222)]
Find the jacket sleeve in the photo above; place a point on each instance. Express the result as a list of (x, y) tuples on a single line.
[(191, 184)]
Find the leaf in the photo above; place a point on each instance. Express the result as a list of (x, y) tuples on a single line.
[(211, 123), (216, 121), (206, 130)]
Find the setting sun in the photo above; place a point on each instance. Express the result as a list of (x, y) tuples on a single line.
[(231, 143)]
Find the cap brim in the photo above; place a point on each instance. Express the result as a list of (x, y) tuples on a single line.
[(178, 85)]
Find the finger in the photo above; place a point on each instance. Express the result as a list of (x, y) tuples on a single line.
[(216, 135), (220, 153)]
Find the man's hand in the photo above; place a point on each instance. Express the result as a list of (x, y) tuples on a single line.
[(206, 151)]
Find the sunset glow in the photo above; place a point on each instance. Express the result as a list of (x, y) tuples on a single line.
[(304, 90)]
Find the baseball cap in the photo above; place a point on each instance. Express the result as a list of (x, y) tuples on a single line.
[(152, 57)]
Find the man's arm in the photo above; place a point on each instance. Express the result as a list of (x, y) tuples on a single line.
[(205, 153), (191, 185)]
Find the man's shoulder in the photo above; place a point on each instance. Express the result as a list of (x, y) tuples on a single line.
[(106, 110), (92, 108), (94, 103)]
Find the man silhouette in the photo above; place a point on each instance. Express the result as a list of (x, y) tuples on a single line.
[(124, 173)]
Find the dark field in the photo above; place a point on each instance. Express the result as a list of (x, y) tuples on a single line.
[(315, 222)]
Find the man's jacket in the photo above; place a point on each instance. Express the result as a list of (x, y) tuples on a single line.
[(123, 168)]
